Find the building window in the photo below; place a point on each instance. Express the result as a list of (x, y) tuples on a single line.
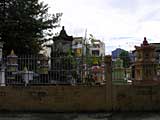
[(95, 52)]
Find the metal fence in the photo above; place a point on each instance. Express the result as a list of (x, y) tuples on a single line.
[(42, 70), (130, 69)]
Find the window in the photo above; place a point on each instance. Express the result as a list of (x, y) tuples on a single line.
[(95, 52)]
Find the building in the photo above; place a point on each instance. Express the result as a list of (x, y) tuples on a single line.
[(62, 44), (97, 52), (157, 51), (145, 64), (61, 64), (157, 56), (91, 56), (81, 47), (116, 53), (78, 46), (97, 48)]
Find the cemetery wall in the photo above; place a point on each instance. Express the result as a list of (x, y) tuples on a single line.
[(53, 98), (79, 98)]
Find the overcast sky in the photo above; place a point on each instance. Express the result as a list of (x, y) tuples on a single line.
[(119, 23)]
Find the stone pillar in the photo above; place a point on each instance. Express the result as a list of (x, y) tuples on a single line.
[(108, 77)]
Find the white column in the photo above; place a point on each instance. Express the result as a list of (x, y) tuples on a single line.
[(2, 77)]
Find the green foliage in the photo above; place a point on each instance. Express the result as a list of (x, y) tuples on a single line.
[(25, 25), (124, 55), (92, 38)]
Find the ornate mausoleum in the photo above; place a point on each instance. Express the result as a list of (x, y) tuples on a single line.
[(61, 64), (62, 44), (145, 64)]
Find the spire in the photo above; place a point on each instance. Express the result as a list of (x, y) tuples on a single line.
[(12, 52), (63, 32), (63, 35), (145, 42), (25, 69)]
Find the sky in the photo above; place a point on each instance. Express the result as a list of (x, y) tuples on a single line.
[(118, 23)]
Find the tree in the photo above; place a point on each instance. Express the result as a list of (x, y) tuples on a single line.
[(92, 38), (25, 25), (124, 55)]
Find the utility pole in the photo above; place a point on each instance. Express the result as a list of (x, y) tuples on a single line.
[(83, 45)]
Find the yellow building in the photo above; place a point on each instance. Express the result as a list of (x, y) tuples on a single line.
[(78, 47)]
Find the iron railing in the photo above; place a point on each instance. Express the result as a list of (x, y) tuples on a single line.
[(41, 70), (128, 69)]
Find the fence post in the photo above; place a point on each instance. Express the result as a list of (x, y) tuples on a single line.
[(108, 77), (2, 77)]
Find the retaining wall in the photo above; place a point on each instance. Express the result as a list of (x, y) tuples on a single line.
[(136, 98), (79, 98), (53, 98)]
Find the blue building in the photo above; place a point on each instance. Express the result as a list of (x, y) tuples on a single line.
[(116, 53)]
